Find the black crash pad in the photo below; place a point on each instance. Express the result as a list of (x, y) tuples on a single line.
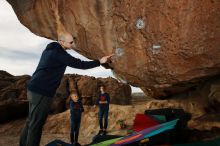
[(58, 143)]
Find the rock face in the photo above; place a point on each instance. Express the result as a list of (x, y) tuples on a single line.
[(13, 98), (14, 103), (88, 89), (161, 46)]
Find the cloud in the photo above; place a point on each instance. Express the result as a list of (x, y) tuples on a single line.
[(13, 34), (18, 55), (17, 67)]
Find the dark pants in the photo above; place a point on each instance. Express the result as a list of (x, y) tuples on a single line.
[(75, 125), (103, 112), (39, 106)]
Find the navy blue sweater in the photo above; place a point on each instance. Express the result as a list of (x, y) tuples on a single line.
[(50, 70), (76, 108), (103, 97)]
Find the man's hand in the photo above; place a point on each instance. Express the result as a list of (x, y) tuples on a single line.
[(105, 59)]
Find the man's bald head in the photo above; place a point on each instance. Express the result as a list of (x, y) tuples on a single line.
[(65, 37), (66, 40)]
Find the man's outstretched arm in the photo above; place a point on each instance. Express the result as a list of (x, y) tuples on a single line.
[(71, 61)]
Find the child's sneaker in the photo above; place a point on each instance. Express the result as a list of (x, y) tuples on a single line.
[(104, 132), (100, 132), (77, 144)]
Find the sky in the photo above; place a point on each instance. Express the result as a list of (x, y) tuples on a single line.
[(20, 49)]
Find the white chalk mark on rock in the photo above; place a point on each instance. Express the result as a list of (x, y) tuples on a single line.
[(119, 52), (156, 48), (140, 24)]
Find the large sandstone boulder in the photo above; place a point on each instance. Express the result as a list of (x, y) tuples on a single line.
[(214, 95), (59, 100), (160, 44), (88, 89), (13, 97)]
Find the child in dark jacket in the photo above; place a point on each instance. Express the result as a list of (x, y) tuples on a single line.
[(76, 109), (103, 101)]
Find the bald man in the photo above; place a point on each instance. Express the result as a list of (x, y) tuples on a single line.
[(45, 81)]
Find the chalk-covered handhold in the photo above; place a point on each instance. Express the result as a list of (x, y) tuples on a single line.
[(140, 24)]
